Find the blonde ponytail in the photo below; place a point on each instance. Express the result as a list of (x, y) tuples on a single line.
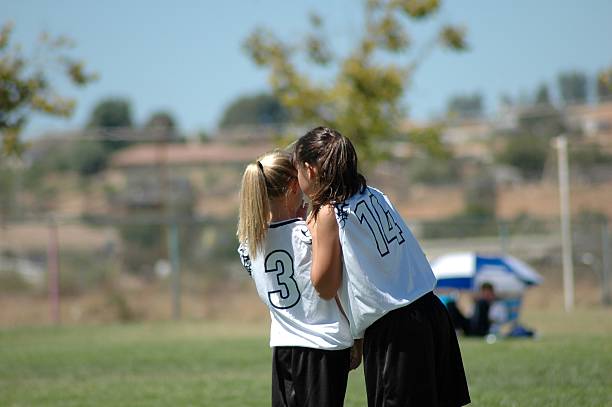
[(268, 178), (254, 208)]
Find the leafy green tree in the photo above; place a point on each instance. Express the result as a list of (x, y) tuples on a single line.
[(8, 191), (465, 106), (261, 109), (480, 195), (432, 171), (573, 87), (429, 141), (363, 98), (589, 155), (88, 157), (203, 136), (540, 118), (527, 153), (110, 115), (25, 85), (541, 121), (162, 126), (85, 157), (527, 147), (479, 215), (542, 97), (604, 85)]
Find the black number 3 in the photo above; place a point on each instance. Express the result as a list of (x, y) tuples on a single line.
[(287, 293)]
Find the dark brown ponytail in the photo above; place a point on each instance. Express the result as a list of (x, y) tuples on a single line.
[(335, 159)]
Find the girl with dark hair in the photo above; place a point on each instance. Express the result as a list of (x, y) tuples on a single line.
[(364, 253)]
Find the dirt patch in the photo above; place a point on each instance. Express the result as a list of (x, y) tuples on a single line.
[(226, 300)]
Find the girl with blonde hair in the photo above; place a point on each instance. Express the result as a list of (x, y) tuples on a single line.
[(310, 336)]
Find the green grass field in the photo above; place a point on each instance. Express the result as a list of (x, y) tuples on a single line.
[(228, 364)]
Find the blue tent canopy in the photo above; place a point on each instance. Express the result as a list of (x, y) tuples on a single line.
[(468, 270)]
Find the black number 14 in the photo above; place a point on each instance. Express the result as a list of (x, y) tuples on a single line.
[(383, 227)]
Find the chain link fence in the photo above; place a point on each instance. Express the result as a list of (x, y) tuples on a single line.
[(151, 233)]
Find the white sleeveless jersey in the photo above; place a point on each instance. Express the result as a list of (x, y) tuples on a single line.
[(384, 267), (281, 271)]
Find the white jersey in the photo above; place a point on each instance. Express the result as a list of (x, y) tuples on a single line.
[(384, 267), (281, 271)]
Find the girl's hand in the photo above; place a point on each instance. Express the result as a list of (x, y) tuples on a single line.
[(356, 354)]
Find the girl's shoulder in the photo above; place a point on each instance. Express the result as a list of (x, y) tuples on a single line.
[(366, 191), (373, 190)]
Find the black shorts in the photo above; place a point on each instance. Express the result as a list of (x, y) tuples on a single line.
[(412, 358), (305, 377)]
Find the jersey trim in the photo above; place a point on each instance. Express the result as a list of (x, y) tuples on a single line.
[(283, 223)]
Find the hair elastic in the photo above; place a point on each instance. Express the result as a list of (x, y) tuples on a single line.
[(260, 165)]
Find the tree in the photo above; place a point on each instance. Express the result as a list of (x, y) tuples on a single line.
[(110, 115), (541, 121), (527, 153), (429, 139), (8, 191), (203, 136), (465, 106), (85, 157), (162, 126), (260, 109), (25, 85), (363, 97), (88, 157), (542, 97), (480, 196), (573, 87), (604, 85)]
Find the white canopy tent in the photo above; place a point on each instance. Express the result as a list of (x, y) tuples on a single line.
[(468, 270)]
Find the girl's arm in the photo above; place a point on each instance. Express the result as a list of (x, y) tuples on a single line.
[(326, 274)]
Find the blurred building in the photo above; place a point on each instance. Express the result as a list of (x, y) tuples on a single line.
[(151, 174), (593, 121)]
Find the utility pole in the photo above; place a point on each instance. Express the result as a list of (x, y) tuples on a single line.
[(170, 225), (175, 261), (53, 272), (606, 264), (566, 232)]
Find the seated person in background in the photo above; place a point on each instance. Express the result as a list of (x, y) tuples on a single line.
[(480, 322)]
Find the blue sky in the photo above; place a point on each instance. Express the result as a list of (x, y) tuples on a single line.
[(186, 56)]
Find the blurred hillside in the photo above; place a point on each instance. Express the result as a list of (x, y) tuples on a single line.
[(121, 207)]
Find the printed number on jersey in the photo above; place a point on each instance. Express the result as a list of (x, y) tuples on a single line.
[(383, 227), (286, 293)]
